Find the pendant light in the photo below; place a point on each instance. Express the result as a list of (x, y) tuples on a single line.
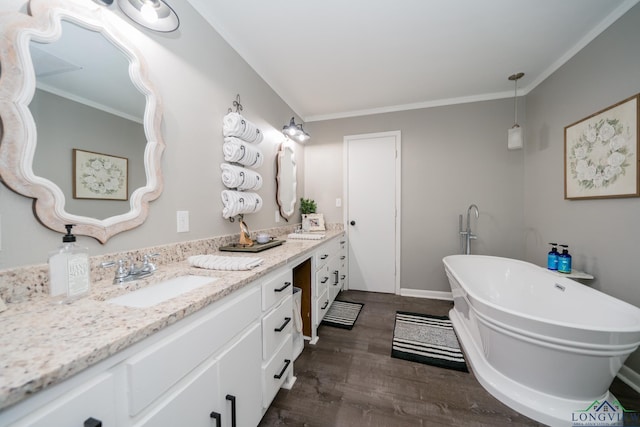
[(153, 14), (515, 140)]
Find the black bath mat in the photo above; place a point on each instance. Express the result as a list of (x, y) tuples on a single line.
[(342, 314), (427, 339)]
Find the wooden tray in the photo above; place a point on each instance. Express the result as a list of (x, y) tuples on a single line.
[(256, 247)]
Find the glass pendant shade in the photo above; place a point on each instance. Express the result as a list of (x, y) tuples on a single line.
[(153, 14)]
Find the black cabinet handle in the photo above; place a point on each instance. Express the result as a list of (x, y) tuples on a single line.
[(352, 223), (326, 303), (232, 399), (284, 325), (285, 286), (216, 416), (342, 242), (343, 277), (92, 422), (343, 257), (286, 365), (324, 279), (325, 256)]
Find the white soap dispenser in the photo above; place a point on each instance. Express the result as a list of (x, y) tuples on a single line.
[(69, 269)]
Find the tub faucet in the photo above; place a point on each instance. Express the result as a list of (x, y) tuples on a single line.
[(466, 235)]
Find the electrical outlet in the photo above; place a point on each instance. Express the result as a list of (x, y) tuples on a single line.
[(182, 218), (277, 215)]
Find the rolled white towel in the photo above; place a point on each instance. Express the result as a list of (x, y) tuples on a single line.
[(239, 202), (305, 236), (229, 263), (240, 178), (233, 124), (237, 151)]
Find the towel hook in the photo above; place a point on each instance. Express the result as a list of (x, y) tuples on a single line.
[(236, 105), (240, 218)]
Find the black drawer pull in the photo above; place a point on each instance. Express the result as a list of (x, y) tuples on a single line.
[(284, 325), (342, 242), (232, 399), (286, 365), (326, 303), (343, 277), (325, 256), (285, 286), (343, 257), (324, 279), (216, 416), (92, 422)]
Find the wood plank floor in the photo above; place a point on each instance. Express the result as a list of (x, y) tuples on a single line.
[(349, 379)]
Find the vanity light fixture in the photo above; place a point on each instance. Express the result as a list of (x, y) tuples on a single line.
[(515, 140), (295, 131), (153, 14)]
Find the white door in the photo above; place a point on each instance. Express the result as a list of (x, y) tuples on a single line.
[(372, 214)]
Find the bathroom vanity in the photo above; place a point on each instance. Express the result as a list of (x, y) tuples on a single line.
[(216, 355)]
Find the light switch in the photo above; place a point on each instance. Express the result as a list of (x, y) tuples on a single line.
[(183, 221), (338, 202)]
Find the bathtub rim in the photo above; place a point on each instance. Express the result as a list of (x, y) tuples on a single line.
[(619, 328)]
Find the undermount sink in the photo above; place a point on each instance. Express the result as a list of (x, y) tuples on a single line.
[(162, 291)]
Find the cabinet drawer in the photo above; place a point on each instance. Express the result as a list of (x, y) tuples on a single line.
[(276, 288), (181, 352), (322, 280), (275, 372), (93, 399), (322, 305), (276, 326)]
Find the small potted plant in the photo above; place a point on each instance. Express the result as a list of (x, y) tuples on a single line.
[(307, 206)]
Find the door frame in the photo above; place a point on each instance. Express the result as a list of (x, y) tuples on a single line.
[(398, 181)]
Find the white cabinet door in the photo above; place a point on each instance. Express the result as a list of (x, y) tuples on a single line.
[(240, 392), (193, 403), (94, 399)]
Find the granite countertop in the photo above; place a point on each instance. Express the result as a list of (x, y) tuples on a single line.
[(43, 343)]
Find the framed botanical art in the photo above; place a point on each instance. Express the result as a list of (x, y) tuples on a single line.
[(99, 176), (601, 154), (316, 222)]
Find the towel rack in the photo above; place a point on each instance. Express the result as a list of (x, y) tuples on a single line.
[(236, 104)]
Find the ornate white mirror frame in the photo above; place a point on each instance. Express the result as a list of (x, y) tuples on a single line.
[(18, 129), (286, 181)]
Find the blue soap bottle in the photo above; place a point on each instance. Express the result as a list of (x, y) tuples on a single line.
[(564, 260), (552, 257)]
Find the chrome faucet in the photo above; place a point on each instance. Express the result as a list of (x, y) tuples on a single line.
[(466, 235), (127, 271)]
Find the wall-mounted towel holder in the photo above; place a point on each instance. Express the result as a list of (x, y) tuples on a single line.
[(236, 104)]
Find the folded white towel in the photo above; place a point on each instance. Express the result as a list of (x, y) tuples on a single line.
[(233, 124), (236, 150), (240, 178), (305, 236), (239, 202), (229, 263)]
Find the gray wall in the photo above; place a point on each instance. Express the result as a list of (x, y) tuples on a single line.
[(451, 157), (63, 125), (603, 234), (198, 76)]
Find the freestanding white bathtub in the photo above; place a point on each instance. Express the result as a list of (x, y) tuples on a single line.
[(546, 346)]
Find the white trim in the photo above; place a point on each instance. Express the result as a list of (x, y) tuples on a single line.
[(629, 377), (398, 168), (422, 293)]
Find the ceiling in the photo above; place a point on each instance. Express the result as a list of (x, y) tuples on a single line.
[(336, 58)]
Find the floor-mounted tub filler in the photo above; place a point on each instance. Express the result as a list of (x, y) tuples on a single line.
[(547, 346)]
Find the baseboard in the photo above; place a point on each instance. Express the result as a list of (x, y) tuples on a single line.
[(629, 377), (420, 293)]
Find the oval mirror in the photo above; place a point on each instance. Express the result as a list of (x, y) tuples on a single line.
[(286, 181), (80, 119)]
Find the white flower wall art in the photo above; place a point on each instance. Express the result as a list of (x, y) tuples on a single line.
[(99, 176), (601, 153)]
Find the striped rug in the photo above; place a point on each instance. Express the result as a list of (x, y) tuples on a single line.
[(427, 339), (342, 314)]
